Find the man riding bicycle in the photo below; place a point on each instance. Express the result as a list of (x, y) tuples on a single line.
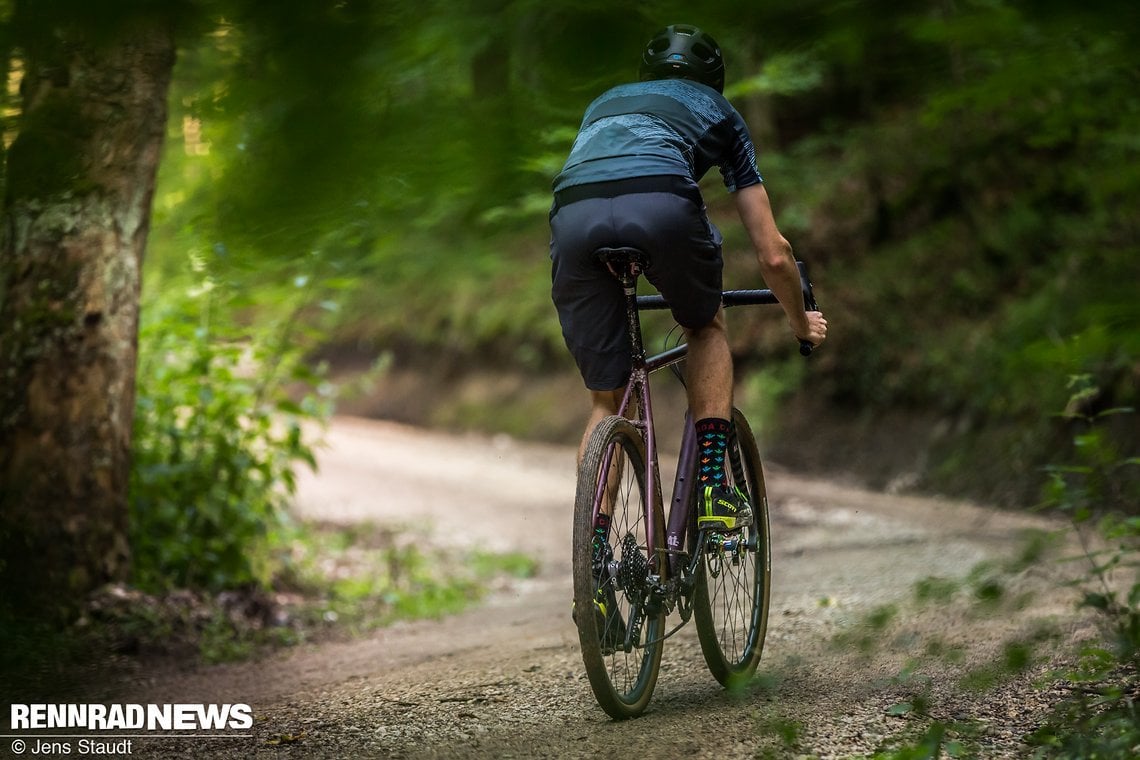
[(631, 180)]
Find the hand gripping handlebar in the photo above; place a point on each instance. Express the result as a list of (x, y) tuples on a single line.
[(748, 297), (809, 304)]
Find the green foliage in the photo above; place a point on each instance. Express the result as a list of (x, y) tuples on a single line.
[(331, 580), (783, 74), (765, 391), (513, 564), (868, 634), (364, 576), (220, 642), (1097, 717), (1099, 494), (934, 590), (1103, 480), (784, 734), (990, 202), (1100, 724), (40, 661), (931, 746), (960, 174), (218, 435)]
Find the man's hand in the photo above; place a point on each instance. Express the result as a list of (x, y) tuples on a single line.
[(817, 328)]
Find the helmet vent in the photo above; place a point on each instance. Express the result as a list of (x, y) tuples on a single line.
[(683, 51)]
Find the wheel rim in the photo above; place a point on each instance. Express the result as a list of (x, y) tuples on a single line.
[(622, 675), (731, 603), (630, 668), (734, 588)]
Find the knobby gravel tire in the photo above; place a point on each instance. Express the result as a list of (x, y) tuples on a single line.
[(730, 601), (622, 678)]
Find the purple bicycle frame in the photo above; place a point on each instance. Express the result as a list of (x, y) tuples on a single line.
[(637, 396), (638, 399)]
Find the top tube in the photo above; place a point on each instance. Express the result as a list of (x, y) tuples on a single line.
[(728, 298), (747, 298)]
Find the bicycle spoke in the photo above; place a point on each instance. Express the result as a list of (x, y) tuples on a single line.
[(620, 641), (731, 600)]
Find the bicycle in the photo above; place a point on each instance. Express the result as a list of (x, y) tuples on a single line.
[(648, 568)]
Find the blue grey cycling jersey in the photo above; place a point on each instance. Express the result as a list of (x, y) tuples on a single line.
[(662, 127)]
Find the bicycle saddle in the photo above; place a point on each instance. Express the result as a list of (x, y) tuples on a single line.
[(621, 257)]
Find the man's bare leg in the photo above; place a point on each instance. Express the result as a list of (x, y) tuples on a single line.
[(603, 404), (708, 370), (708, 379)]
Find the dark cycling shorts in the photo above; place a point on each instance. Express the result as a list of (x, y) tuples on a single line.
[(684, 252)]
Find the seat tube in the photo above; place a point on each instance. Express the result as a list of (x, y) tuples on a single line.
[(637, 347), (638, 391), (681, 505)]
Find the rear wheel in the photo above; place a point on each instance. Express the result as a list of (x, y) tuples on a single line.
[(620, 640), (730, 601)]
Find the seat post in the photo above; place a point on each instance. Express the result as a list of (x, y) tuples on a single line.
[(627, 264), (628, 280)]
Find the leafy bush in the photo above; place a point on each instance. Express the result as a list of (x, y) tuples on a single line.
[(217, 437), (1100, 718)]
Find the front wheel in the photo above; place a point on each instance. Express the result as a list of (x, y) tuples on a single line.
[(621, 638), (730, 602)]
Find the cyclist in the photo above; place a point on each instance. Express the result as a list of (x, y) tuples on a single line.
[(631, 180)]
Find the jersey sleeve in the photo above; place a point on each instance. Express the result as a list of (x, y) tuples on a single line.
[(739, 165)]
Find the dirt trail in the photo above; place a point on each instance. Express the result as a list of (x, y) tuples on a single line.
[(505, 679)]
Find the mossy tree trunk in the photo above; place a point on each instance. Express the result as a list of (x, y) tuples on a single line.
[(80, 176)]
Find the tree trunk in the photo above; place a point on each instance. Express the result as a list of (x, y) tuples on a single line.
[(80, 178)]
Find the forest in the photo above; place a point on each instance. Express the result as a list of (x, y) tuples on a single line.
[(958, 175), (284, 185)]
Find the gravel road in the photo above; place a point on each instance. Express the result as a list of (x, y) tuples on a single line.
[(505, 679)]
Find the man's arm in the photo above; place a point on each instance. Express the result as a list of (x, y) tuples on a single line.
[(777, 265)]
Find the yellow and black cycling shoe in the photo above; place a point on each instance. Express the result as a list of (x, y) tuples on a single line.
[(723, 510), (607, 618)]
